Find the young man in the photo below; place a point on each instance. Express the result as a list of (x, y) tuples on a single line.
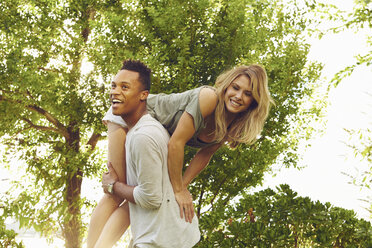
[(154, 212)]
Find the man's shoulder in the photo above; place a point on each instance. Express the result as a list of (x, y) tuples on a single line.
[(148, 136), (150, 127)]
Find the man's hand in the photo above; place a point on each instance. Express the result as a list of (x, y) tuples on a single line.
[(109, 177), (184, 200)]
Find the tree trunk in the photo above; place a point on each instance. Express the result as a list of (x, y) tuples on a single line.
[(72, 224)]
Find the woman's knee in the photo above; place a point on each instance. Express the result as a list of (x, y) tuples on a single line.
[(112, 199)]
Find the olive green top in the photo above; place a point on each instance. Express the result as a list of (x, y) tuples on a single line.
[(168, 108)]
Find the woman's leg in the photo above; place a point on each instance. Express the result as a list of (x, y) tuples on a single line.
[(115, 227), (101, 214), (109, 204)]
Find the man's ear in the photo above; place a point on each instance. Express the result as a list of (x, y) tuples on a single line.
[(144, 95)]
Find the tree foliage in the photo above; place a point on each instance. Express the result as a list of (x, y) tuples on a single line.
[(360, 18), (360, 141), (54, 108), (282, 219), (7, 237)]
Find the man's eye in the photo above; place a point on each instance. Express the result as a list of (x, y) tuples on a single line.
[(124, 87), (112, 86)]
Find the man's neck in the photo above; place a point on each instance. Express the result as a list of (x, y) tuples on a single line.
[(132, 118)]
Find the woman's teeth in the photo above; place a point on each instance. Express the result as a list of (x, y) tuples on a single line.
[(234, 103)]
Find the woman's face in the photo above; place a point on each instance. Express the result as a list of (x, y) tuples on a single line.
[(238, 96)]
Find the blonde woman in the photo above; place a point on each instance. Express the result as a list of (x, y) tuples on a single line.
[(230, 113)]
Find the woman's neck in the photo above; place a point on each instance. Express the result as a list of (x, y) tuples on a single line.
[(229, 117)]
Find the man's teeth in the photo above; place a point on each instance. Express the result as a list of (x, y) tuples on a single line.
[(116, 101)]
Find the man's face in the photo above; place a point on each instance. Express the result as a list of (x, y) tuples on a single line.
[(126, 93)]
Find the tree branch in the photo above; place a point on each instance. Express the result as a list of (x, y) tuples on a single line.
[(2, 97), (47, 69), (28, 93), (60, 128), (200, 202), (68, 34), (218, 191), (89, 15), (94, 139), (43, 128)]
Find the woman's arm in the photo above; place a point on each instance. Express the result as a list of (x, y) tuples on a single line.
[(199, 162), (184, 131)]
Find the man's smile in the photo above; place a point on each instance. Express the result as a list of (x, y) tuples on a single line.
[(116, 102)]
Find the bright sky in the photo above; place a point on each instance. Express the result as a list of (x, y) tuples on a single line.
[(329, 157), (350, 107)]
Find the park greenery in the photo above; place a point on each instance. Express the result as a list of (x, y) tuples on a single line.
[(57, 59)]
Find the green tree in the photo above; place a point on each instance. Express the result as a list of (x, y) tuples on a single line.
[(7, 237), (282, 219), (358, 19), (54, 109)]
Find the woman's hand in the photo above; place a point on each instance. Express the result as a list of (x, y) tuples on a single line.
[(184, 131), (184, 200)]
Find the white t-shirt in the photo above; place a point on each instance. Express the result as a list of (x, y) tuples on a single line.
[(155, 218)]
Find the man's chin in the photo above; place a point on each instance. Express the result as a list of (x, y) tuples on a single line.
[(116, 112)]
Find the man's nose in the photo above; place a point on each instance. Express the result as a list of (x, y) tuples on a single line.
[(114, 91)]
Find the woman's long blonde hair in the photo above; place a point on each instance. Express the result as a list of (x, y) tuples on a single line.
[(249, 124)]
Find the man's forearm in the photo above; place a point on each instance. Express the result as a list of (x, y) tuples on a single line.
[(124, 191)]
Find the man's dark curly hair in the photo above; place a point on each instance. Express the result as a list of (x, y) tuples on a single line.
[(141, 68)]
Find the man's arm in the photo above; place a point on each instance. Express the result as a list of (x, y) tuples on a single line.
[(148, 162), (149, 158), (120, 189), (124, 191)]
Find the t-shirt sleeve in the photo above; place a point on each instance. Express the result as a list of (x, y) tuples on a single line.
[(193, 108), (110, 117), (146, 155)]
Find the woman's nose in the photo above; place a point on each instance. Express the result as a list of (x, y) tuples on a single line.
[(239, 94)]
